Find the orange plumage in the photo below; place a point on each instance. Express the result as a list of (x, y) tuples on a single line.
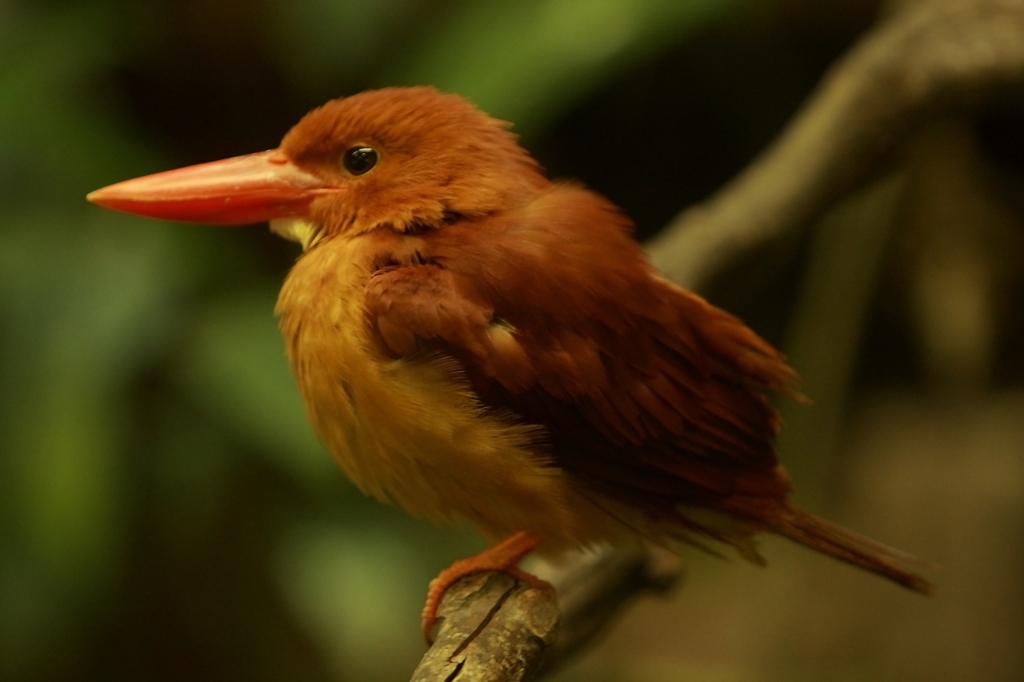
[(472, 340)]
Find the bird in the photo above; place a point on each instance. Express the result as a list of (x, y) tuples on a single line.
[(474, 341)]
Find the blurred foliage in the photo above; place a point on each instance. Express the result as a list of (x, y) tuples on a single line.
[(165, 512), (142, 370)]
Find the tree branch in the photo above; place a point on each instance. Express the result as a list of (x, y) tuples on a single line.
[(494, 628), (920, 64)]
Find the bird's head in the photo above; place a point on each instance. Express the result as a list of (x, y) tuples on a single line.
[(399, 158)]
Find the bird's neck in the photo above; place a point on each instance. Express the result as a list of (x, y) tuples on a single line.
[(301, 230)]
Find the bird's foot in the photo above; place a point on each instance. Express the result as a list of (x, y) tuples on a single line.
[(500, 557)]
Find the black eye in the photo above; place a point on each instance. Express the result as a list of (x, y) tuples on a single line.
[(358, 160)]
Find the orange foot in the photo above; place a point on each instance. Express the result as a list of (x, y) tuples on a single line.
[(500, 557)]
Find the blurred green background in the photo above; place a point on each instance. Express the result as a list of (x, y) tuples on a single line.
[(165, 513)]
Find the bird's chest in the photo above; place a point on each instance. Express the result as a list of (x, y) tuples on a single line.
[(403, 430), (354, 396)]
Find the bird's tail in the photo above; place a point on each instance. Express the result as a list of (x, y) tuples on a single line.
[(821, 535)]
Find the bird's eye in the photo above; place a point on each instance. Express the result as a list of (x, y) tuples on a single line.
[(358, 160)]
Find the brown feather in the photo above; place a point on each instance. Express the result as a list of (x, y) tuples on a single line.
[(649, 395)]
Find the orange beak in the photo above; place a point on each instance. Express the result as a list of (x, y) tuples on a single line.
[(236, 191)]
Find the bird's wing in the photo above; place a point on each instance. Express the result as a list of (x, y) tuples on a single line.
[(647, 391)]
